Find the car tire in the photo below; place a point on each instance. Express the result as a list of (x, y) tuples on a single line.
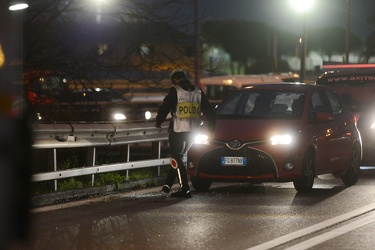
[(200, 185), (352, 172), (306, 182)]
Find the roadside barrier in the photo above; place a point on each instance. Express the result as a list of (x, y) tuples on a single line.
[(91, 136)]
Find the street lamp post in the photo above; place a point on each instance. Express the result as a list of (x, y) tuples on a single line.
[(302, 6), (303, 50), (98, 10), (347, 32), (197, 57)]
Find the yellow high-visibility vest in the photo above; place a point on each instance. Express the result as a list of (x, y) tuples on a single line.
[(188, 110)]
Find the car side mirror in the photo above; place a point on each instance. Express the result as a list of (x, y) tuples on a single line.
[(323, 117)]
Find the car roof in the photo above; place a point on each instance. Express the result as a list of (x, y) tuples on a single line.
[(240, 80), (350, 67), (345, 73), (342, 76), (279, 85)]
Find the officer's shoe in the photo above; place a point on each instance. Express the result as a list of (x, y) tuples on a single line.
[(181, 194), (166, 189)]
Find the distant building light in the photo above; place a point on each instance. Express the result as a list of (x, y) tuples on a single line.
[(145, 50), (102, 48), (18, 6)]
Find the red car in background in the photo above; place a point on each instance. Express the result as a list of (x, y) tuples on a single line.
[(355, 83), (282, 132)]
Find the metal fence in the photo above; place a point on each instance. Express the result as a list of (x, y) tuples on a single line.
[(90, 136)]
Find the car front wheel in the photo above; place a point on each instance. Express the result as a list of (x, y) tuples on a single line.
[(352, 173), (306, 181), (200, 185)]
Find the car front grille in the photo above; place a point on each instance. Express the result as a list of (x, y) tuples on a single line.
[(258, 162)]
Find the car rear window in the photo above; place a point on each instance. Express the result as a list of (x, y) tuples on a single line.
[(357, 90)]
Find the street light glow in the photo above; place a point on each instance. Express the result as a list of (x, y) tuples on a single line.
[(302, 5), (18, 6)]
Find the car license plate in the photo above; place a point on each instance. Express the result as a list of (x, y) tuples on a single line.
[(233, 161)]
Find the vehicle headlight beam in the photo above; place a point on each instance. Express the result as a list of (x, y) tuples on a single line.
[(201, 139), (284, 139)]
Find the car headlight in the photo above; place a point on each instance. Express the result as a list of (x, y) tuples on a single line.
[(119, 116), (148, 115), (281, 139), (373, 125), (201, 139)]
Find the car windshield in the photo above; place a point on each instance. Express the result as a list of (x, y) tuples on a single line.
[(270, 104)]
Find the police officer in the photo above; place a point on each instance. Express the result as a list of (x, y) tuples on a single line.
[(185, 102)]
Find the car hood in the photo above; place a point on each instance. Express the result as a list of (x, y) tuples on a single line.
[(253, 130)]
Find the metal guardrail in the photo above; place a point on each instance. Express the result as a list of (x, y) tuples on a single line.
[(93, 135)]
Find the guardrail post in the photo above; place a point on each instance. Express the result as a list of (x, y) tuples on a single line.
[(156, 152), (43, 161), (55, 165), (90, 160), (125, 156)]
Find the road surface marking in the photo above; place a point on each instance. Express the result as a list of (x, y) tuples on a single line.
[(331, 234), (314, 228)]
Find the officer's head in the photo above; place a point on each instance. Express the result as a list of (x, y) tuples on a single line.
[(177, 76)]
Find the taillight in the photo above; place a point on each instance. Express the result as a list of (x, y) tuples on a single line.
[(355, 119)]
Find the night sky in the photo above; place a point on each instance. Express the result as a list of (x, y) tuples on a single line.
[(280, 14)]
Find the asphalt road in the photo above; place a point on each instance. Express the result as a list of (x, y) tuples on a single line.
[(228, 216)]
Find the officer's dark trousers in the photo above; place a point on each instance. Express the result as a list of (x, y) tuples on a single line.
[(179, 144)]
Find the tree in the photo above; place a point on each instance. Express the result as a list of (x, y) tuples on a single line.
[(250, 44), (245, 41), (331, 40), (134, 40), (370, 41)]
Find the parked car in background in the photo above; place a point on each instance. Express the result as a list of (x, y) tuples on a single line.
[(356, 85), (283, 132), (54, 97), (217, 87)]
